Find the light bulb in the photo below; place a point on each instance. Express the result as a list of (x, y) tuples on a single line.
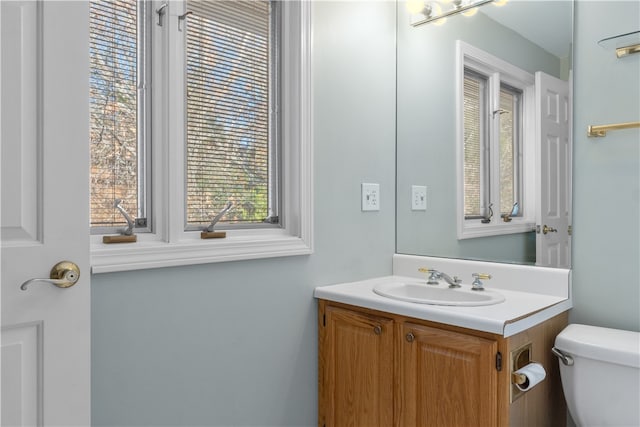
[(436, 10), (470, 12), (415, 6)]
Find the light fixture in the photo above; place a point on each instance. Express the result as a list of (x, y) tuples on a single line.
[(438, 11)]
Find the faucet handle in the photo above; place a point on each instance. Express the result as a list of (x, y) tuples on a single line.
[(477, 285), (434, 275)]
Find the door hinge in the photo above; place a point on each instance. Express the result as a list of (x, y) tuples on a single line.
[(324, 320), (499, 361), (570, 230)]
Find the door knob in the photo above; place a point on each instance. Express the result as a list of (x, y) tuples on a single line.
[(546, 229), (63, 275)]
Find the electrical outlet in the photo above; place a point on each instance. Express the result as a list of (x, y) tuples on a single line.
[(370, 197), (418, 198)]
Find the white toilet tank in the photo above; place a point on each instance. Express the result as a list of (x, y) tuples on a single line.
[(602, 387)]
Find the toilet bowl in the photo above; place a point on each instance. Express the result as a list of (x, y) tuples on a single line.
[(600, 372)]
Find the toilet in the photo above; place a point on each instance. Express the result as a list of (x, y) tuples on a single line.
[(600, 371)]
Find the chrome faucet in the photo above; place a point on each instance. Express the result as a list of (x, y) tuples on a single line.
[(435, 276)]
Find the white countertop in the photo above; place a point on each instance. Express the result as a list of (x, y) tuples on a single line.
[(520, 310)]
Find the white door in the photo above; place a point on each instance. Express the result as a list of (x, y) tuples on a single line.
[(553, 218), (44, 118)]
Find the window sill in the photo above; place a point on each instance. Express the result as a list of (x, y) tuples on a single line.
[(149, 253), (473, 229)]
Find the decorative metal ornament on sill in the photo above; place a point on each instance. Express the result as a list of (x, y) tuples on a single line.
[(514, 211), (209, 233), (126, 235), (487, 218), (437, 11)]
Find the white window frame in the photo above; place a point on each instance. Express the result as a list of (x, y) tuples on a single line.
[(169, 244), (497, 70)]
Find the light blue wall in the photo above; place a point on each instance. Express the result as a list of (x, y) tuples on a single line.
[(426, 152), (236, 343), (606, 198)]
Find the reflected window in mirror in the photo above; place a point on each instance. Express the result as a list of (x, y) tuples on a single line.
[(478, 144), (510, 150), (495, 109), (476, 160)]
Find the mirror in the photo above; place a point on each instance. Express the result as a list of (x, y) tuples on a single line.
[(533, 36)]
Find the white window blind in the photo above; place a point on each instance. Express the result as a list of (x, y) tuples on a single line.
[(477, 166), (510, 101), (475, 125), (113, 109), (229, 70)]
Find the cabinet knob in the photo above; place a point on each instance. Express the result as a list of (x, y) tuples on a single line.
[(410, 337), (377, 330)]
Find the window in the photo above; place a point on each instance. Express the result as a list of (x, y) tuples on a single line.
[(118, 100), (495, 186), (232, 83), (194, 105)]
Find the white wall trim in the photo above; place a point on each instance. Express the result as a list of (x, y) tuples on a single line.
[(161, 254)]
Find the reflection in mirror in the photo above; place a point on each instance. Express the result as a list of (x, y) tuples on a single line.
[(440, 65)]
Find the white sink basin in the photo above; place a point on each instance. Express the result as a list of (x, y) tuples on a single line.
[(437, 295)]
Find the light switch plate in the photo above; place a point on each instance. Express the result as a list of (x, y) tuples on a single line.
[(370, 197), (418, 198)]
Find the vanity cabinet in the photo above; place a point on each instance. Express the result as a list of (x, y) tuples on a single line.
[(356, 369), (382, 369), (447, 378)]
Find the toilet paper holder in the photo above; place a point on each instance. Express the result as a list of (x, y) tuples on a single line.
[(518, 378), (520, 358)]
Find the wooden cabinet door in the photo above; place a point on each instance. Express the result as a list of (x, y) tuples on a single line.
[(356, 369), (447, 378)]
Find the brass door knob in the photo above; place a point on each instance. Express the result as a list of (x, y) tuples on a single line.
[(546, 229), (63, 275)]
